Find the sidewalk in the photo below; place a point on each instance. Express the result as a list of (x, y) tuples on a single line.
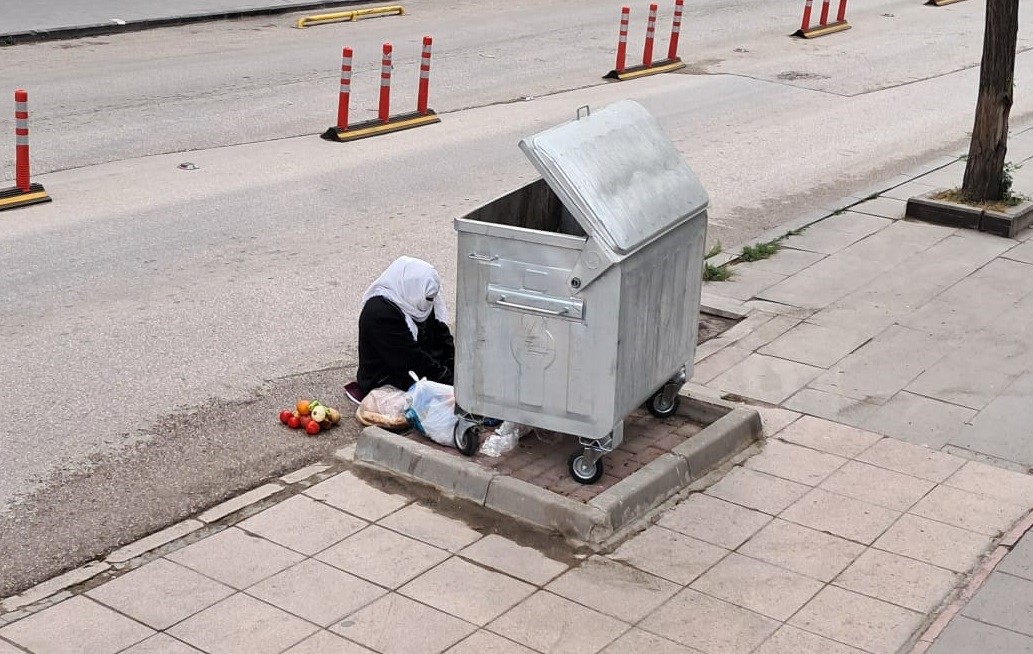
[(35, 21), (891, 364)]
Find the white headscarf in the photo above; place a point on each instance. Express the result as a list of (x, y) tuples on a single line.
[(414, 286)]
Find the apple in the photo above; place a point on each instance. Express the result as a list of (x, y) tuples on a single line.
[(305, 420), (285, 415), (312, 428), (319, 413), (294, 422)]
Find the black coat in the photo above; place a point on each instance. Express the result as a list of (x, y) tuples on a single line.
[(387, 350)]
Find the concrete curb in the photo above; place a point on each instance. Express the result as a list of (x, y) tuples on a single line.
[(100, 29), (731, 429), (404, 456)]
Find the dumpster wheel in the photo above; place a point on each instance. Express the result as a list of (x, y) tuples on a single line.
[(467, 437), (581, 470), (661, 407)]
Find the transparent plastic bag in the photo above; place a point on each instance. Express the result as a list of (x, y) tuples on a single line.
[(383, 407), (431, 409), (504, 439)]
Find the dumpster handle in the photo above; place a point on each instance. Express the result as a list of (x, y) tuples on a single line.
[(482, 257), (588, 111), (513, 305)]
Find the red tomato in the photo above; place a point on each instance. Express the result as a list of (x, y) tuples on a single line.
[(285, 415), (293, 422), (312, 428)]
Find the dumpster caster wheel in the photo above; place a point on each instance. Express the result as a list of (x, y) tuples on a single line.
[(661, 407), (582, 471), (467, 438)]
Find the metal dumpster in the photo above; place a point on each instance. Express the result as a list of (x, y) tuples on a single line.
[(578, 294)]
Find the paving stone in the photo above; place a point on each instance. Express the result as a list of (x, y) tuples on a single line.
[(787, 261), (828, 436), (830, 406), (467, 591), (349, 493), (886, 205), (899, 580), (1001, 429), (709, 624), (811, 553), (423, 524), (761, 587), (304, 473), (1019, 562), (636, 641), (835, 233), (76, 626), (745, 283), (303, 524), (977, 372), (382, 556), (316, 592), (969, 511), (757, 490), (800, 464), (765, 378), (885, 488), (235, 558), (916, 419), (612, 588), (324, 642), (554, 625), (160, 593), (990, 481), (156, 644), (485, 642), (863, 622), (976, 301), (844, 272), (843, 516), (239, 502), (397, 625), (669, 554), (144, 545), (911, 460), (775, 420), (790, 640), (934, 542), (707, 369), (519, 561), (966, 636), (242, 624), (55, 586), (884, 366), (7, 648), (1022, 252), (714, 521), (815, 345), (1005, 601)]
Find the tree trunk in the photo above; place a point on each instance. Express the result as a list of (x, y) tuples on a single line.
[(985, 167)]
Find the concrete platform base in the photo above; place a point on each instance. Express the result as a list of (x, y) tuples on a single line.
[(730, 429)]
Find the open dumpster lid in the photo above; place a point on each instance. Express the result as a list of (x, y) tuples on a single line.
[(619, 174)]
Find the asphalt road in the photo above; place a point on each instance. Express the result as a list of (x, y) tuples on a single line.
[(153, 318)]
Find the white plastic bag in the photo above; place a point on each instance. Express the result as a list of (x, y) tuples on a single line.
[(432, 411), (504, 439)]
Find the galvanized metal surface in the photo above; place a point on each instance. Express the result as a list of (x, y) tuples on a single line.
[(578, 295), (619, 174)]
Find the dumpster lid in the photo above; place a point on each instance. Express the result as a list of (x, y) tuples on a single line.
[(619, 174)]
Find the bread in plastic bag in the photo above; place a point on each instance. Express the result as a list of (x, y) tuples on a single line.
[(431, 410), (383, 407)]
